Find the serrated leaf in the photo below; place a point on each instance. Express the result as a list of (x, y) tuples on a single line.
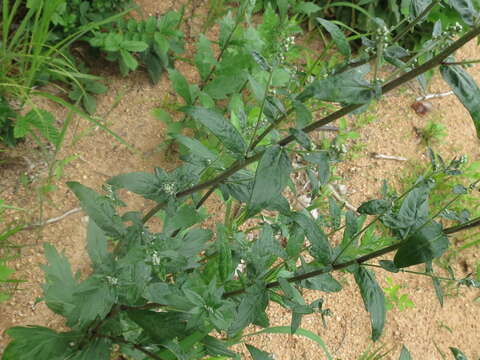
[(338, 37), (258, 354), (424, 245), (348, 87), (204, 59), (302, 113), (97, 247), (220, 127), (375, 207), (99, 209), (466, 9), (373, 299), (271, 177), (59, 285), (149, 186), (98, 349), (466, 90), (405, 354), (37, 342), (181, 85), (173, 324), (223, 85)]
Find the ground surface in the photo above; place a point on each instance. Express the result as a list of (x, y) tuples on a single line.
[(99, 156)]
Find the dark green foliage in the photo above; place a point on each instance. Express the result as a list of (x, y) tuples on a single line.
[(466, 89), (373, 298), (7, 118)]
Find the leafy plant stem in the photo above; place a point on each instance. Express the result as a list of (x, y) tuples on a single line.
[(417, 273), (259, 118), (240, 164), (468, 225), (465, 62), (360, 260)]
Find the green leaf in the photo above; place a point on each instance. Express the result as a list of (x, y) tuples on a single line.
[(99, 209), (89, 103), (466, 9), (223, 85), (321, 159), (185, 216), (5, 272), (134, 46), (466, 90), (173, 324), (320, 248), (181, 85), (271, 177), (375, 207), (204, 59), (373, 298), (216, 347), (337, 36), (348, 87), (405, 354), (458, 354), (302, 113), (307, 7), (98, 349), (424, 245), (130, 62), (436, 283), (97, 247), (149, 186), (59, 285), (225, 263), (301, 137), (220, 127), (196, 147), (37, 342), (40, 119), (300, 332), (258, 354), (389, 265), (154, 66), (252, 304)]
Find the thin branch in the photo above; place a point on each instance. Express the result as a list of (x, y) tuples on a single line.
[(468, 225), (432, 63), (52, 220), (434, 96), (387, 157)]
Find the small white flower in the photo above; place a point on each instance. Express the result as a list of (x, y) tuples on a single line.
[(169, 188), (155, 258), (112, 280)]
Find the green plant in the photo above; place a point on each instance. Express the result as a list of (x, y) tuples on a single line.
[(394, 298), (432, 133), (197, 282)]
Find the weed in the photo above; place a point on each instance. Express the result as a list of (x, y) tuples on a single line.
[(394, 299), (195, 281), (432, 133)]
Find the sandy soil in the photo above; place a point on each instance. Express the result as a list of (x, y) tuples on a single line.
[(99, 156)]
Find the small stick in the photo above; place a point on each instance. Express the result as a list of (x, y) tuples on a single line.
[(434, 96), (328, 128), (338, 197), (52, 220), (387, 157)]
